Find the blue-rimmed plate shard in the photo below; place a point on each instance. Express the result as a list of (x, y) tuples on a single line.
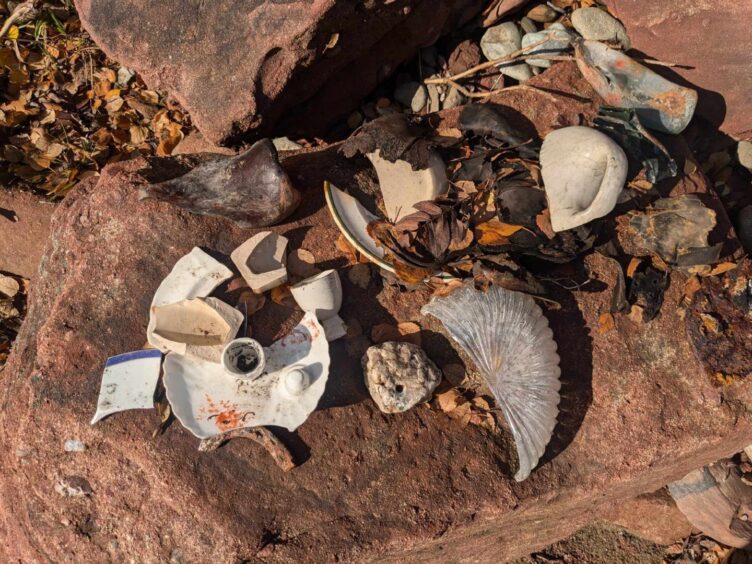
[(508, 338), (128, 382)]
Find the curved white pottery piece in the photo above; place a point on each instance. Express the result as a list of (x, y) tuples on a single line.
[(262, 261), (584, 172), (244, 358), (207, 401), (508, 338), (402, 187), (321, 295)]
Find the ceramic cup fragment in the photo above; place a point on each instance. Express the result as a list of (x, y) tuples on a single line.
[(508, 338), (244, 358), (321, 295), (128, 382), (262, 261), (584, 172), (624, 83)]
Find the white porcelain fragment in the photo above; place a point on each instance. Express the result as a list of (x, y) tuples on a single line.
[(128, 382), (321, 295), (262, 261), (208, 402), (584, 172), (244, 358), (353, 219), (199, 327), (508, 338), (402, 187)]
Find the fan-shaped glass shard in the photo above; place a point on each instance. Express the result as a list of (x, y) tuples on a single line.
[(507, 336)]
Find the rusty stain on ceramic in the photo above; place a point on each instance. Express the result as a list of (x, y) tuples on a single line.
[(207, 401), (262, 261), (128, 382), (624, 83)]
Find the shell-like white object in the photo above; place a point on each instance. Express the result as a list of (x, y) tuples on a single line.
[(207, 401), (508, 338), (128, 382), (321, 295), (584, 172), (198, 327), (262, 261), (402, 187)]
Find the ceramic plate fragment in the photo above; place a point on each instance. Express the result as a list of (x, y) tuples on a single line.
[(128, 382)]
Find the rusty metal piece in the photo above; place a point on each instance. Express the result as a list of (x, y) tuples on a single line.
[(624, 83), (263, 436)]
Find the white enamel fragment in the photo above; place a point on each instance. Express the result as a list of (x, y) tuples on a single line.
[(402, 187), (321, 295), (508, 338), (128, 382), (208, 402), (584, 172), (262, 261)]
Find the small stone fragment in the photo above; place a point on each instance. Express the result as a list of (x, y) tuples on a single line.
[(453, 99), (560, 40), (542, 14), (360, 275), (9, 286), (465, 55), (285, 144), (434, 103), (528, 25), (399, 376), (73, 486), (599, 25), (744, 154), (502, 40), (412, 95), (74, 445)]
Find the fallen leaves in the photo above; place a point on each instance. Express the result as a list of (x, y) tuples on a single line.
[(495, 233), (475, 411)]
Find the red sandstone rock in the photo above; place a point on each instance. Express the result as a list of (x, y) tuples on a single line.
[(638, 409), (654, 517), (22, 242), (712, 37), (249, 66)]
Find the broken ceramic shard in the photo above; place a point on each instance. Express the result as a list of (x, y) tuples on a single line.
[(584, 172), (353, 219), (624, 83), (321, 295), (252, 189), (677, 230), (195, 275), (508, 338), (559, 39), (402, 187), (207, 401), (244, 358), (399, 375), (198, 327), (128, 382), (262, 261)]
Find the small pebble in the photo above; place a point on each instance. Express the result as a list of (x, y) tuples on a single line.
[(500, 41), (528, 25), (73, 486), (744, 154), (124, 76), (561, 39), (434, 104), (599, 25), (74, 445), (412, 95), (453, 99), (9, 286), (285, 144), (542, 14)]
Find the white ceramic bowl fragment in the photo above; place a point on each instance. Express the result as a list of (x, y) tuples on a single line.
[(584, 172), (128, 382), (262, 261), (244, 358), (207, 401), (321, 295), (402, 187)]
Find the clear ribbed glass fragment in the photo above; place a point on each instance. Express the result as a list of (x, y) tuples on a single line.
[(508, 338)]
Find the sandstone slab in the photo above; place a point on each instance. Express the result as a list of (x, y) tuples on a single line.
[(24, 229), (250, 66), (711, 37), (638, 409)]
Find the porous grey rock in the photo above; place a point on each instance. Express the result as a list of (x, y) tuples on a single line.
[(500, 41), (399, 375), (412, 95), (599, 25), (561, 39)]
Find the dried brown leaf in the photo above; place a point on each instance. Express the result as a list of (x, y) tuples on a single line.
[(495, 233), (606, 323), (281, 296)]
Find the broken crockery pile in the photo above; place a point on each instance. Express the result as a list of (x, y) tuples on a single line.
[(584, 172), (252, 188), (507, 336)]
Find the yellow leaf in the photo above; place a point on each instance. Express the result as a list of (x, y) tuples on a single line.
[(721, 268), (13, 33), (332, 41), (495, 233), (606, 323), (634, 263)]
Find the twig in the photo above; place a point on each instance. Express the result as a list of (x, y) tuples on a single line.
[(664, 64), (488, 64), (20, 11), (263, 436)]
